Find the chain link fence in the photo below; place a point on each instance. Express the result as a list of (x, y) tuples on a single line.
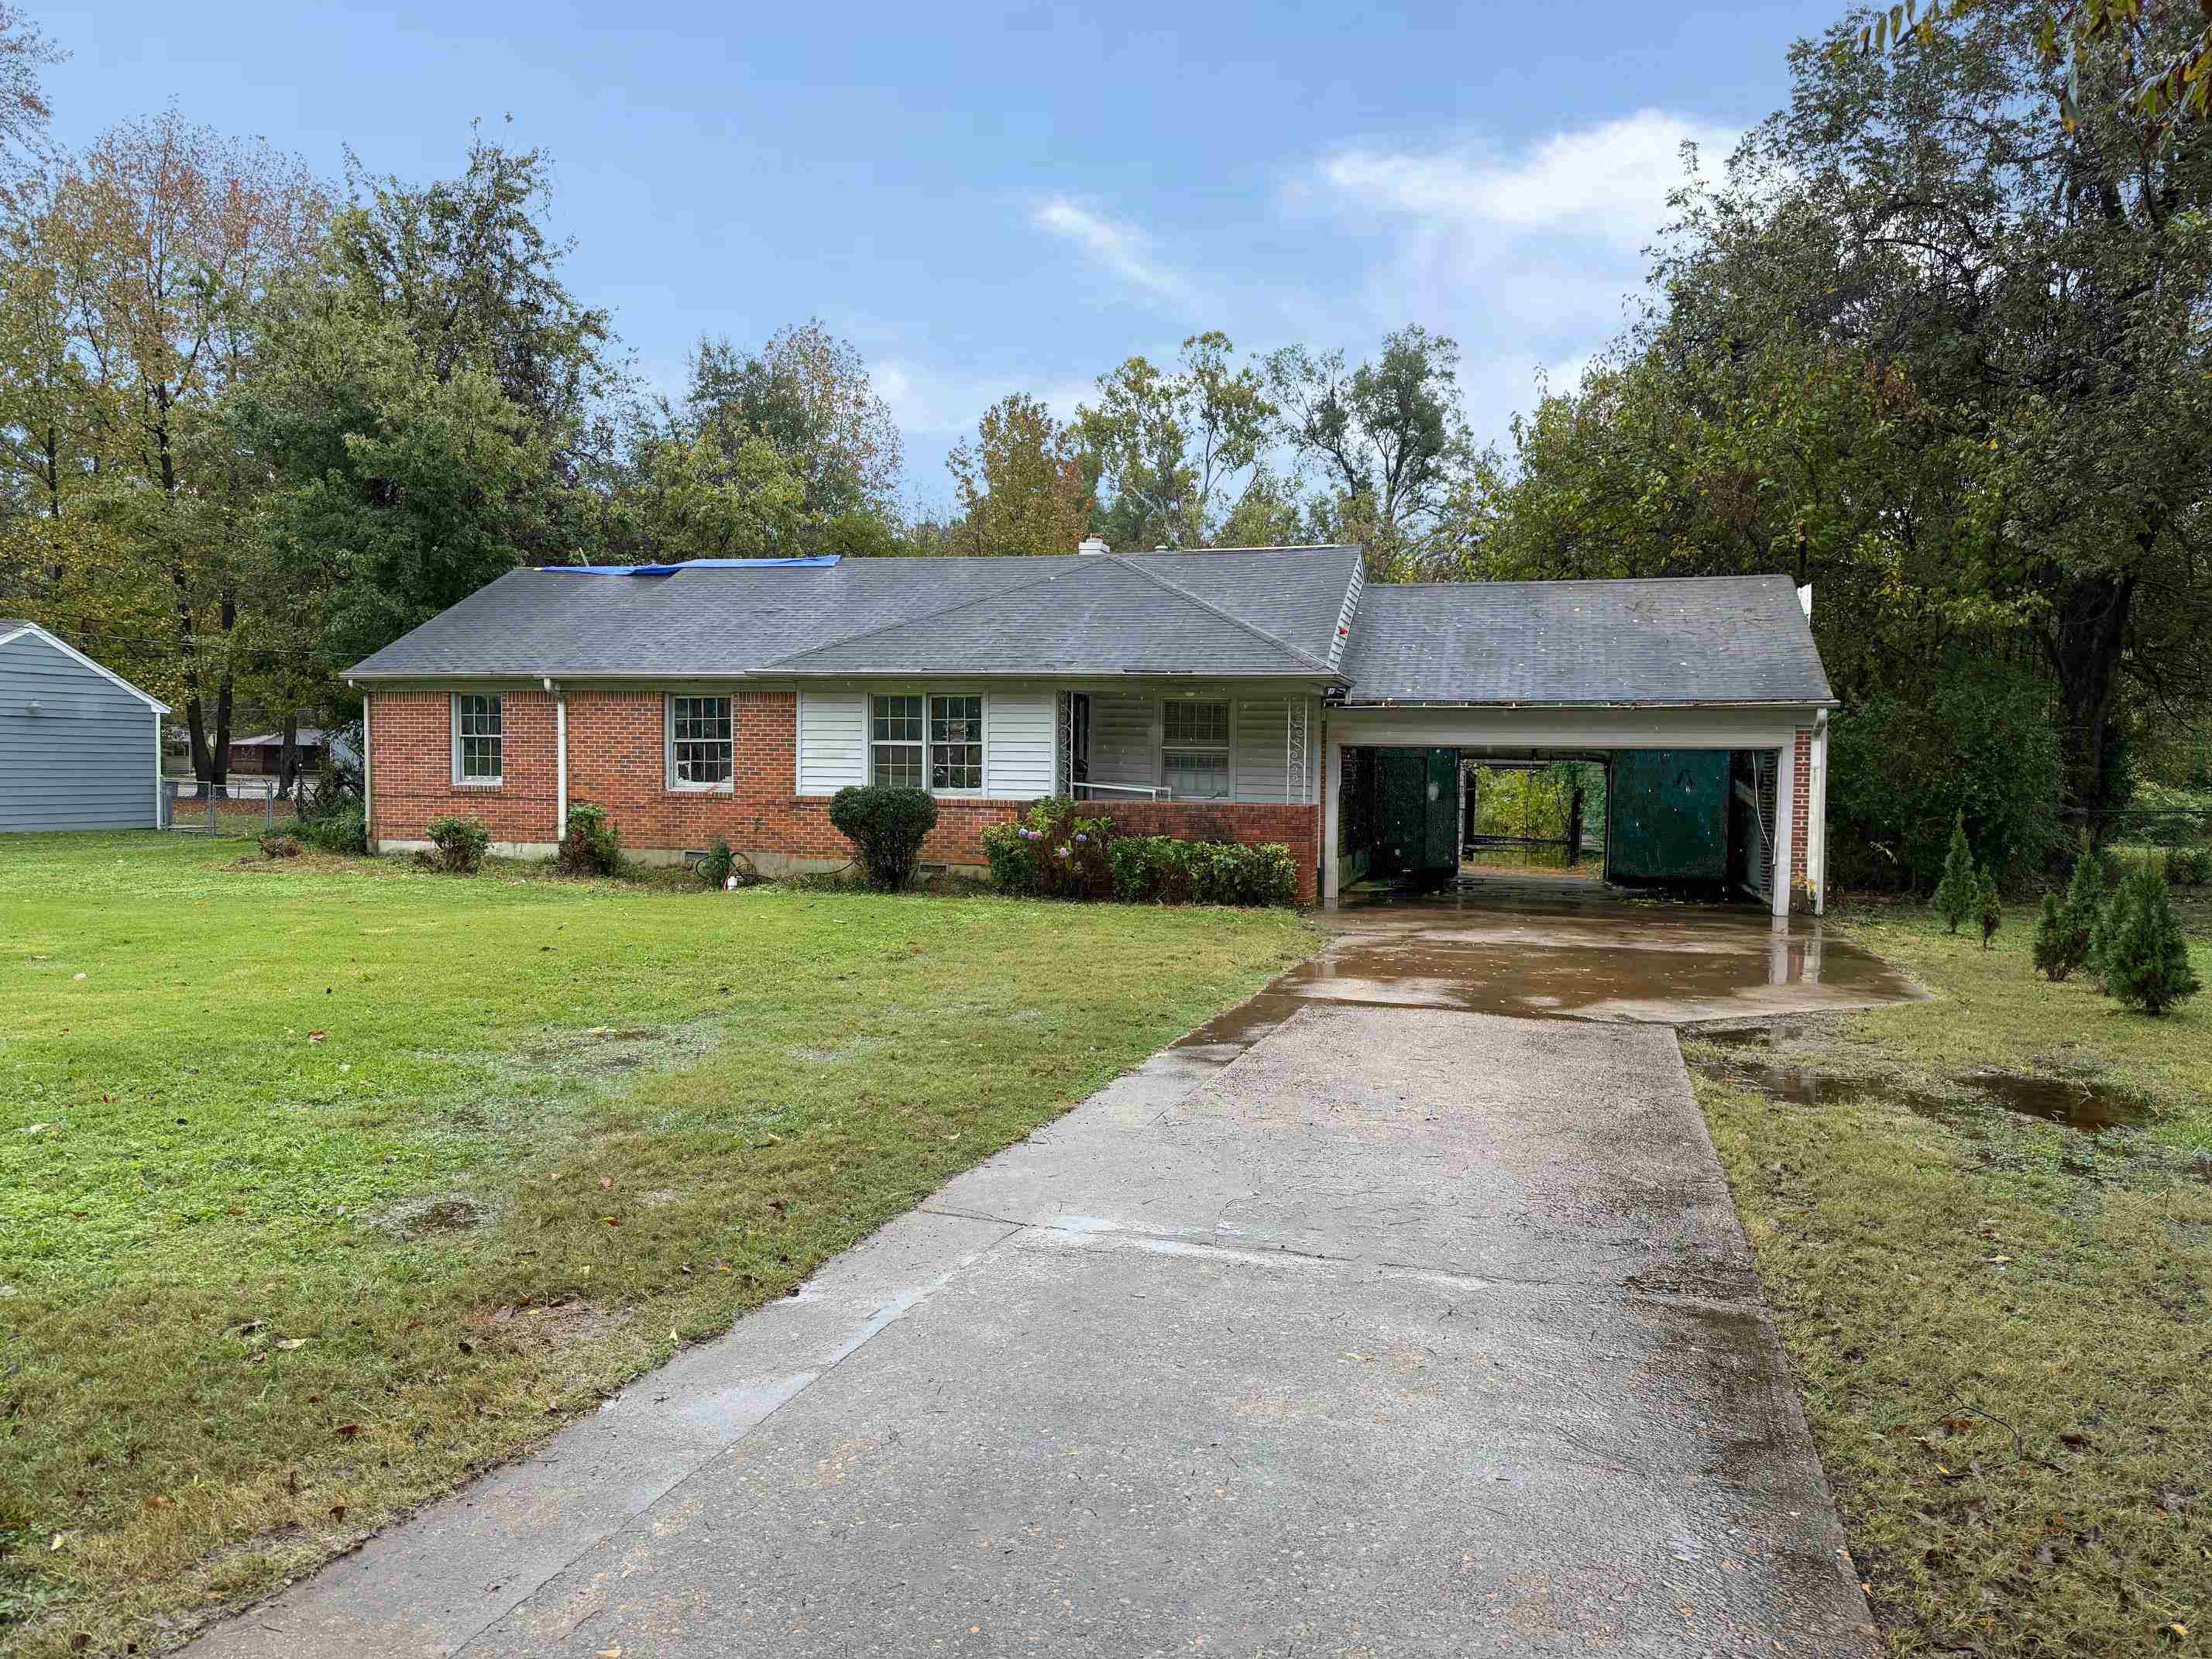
[(251, 806)]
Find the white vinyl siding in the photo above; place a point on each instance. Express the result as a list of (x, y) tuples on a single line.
[(1262, 733), (1017, 759), (833, 729), (1124, 738)]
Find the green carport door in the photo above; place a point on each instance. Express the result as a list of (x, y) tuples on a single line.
[(1669, 815)]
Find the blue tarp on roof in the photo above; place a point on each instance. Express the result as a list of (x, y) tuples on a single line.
[(818, 562)]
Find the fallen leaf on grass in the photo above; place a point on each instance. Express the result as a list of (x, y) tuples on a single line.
[(606, 1183), (318, 1036), (347, 1431), (287, 1343), (337, 1511)]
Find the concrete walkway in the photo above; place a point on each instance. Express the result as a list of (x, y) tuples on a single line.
[(1396, 1330)]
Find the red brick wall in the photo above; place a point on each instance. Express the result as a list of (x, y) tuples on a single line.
[(616, 760), (411, 768)]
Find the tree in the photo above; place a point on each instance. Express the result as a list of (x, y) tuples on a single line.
[(699, 501), (425, 401), (2064, 935), (1020, 484), (2141, 950), (1172, 445), (163, 238), (1989, 905), (23, 107), (2165, 69), (807, 393), (1958, 892), (2038, 291), (1389, 438)]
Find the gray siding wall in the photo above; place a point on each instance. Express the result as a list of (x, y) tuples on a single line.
[(86, 760)]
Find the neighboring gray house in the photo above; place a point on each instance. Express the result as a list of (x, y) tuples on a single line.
[(80, 747)]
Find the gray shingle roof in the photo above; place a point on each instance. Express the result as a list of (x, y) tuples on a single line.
[(1261, 611), (1697, 639)]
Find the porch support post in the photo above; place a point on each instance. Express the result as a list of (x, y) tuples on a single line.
[(1332, 786), (1816, 820), (1785, 811)]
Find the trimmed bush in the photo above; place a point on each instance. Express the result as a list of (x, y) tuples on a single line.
[(341, 830), (2141, 949), (1160, 870), (886, 824), (590, 843), (1958, 893), (459, 844)]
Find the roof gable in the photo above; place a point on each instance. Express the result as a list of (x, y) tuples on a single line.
[(17, 628)]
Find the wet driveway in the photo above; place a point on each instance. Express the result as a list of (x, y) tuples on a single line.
[(1346, 1330)]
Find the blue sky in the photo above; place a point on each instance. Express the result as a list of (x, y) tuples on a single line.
[(993, 200)]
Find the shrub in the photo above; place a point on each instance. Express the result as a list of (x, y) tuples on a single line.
[(2141, 949), (2189, 866), (2062, 936), (1160, 870), (887, 824), (1989, 906), (340, 830), (1958, 893), (1977, 738), (1051, 853), (277, 844), (590, 844), (460, 844)]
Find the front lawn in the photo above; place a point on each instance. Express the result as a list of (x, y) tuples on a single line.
[(325, 1183), (2000, 1323)]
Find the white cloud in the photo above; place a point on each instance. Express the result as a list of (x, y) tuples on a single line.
[(1120, 248), (1527, 255), (1608, 181)]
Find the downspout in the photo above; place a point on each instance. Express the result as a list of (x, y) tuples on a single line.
[(559, 760)]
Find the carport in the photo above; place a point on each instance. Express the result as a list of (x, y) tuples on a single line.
[(1705, 696)]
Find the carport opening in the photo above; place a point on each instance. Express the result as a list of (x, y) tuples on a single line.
[(1697, 822)]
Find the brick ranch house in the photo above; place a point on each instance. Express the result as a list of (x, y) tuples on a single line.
[(1225, 695)]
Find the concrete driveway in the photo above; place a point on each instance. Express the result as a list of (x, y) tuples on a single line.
[(1340, 1328)]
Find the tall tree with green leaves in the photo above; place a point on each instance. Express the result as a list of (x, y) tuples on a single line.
[(425, 401), (1389, 440), (163, 238), (1020, 484), (808, 393), (1178, 449)]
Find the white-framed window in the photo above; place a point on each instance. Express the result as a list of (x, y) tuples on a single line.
[(928, 741), (699, 754), (895, 728), (955, 743), (477, 738), (1194, 750)]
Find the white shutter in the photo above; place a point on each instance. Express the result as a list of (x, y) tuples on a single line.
[(833, 741)]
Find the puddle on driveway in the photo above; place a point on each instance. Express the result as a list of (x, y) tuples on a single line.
[(1574, 956)]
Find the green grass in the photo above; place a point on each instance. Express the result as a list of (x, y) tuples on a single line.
[(2002, 1328), (325, 1184)]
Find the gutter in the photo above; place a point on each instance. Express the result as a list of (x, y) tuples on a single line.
[(1822, 704)]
